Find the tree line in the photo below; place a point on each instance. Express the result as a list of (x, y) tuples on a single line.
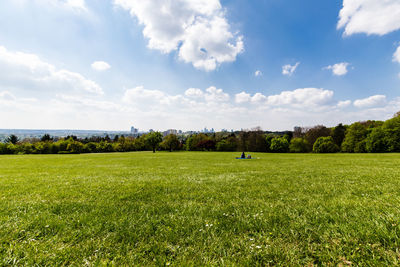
[(359, 137)]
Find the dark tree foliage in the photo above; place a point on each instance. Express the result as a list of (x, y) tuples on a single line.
[(355, 138), (170, 142), (256, 141), (243, 138), (153, 139), (338, 134), (46, 138), (298, 145), (315, 132), (13, 139)]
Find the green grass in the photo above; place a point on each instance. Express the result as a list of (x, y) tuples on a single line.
[(200, 209)]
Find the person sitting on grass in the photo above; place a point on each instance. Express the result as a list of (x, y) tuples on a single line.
[(243, 156), (248, 156)]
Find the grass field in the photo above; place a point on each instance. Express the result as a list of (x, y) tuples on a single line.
[(200, 209)]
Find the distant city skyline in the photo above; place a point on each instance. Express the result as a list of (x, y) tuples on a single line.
[(187, 64)]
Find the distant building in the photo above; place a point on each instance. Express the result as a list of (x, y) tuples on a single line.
[(134, 130), (170, 131)]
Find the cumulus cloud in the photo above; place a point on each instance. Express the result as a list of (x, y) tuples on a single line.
[(344, 104), (191, 109), (197, 29), (396, 55), (289, 69), (371, 102), (369, 16), (258, 73), (244, 97), (29, 72), (100, 65), (338, 69), (303, 97)]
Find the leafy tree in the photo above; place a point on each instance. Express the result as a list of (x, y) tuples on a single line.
[(256, 141), (298, 145), (243, 137), (46, 138), (355, 135), (13, 139), (279, 145), (325, 145), (338, 134), (228, 144), (197, 142), (315, 132), (153, 139), (385, 138), (207, 144), (75, 147), (268, 141), (170, 142), (90, 147)]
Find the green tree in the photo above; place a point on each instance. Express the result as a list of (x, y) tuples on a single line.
[(338, 134), (154, 139), (314, 133), (325, 145), (170, 142), (228, 144), (13, 139), (355, 135), (268, 140), (46, 138), (298, 145), (279, 145)]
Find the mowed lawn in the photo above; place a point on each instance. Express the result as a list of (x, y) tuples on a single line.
[(200, 209)]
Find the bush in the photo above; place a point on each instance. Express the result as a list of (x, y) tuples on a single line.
[(325, 145), (298, 145), (279, 145), (75, 147)]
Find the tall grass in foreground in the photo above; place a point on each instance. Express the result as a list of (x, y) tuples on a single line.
[(199, 209)]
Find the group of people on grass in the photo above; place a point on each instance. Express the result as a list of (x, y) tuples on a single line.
[(243, 156)]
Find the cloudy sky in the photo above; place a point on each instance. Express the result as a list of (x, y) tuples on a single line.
[(190, 64)]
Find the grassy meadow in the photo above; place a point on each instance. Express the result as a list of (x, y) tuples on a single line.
[(191, 208)]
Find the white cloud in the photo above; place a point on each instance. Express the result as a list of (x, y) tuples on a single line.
[(338, 69), (396, 55), (289, 69), (242, 97), (193, 109), (258, 73), (216, 95), (194, 93), (100, 65), (303, 98), (369, 16), (371, 102), (30, 73), (344, 104), (197, 29)]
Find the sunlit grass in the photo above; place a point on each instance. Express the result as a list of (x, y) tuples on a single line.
[(199, 209)]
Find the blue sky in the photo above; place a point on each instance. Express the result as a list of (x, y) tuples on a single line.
[(190, 64)]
